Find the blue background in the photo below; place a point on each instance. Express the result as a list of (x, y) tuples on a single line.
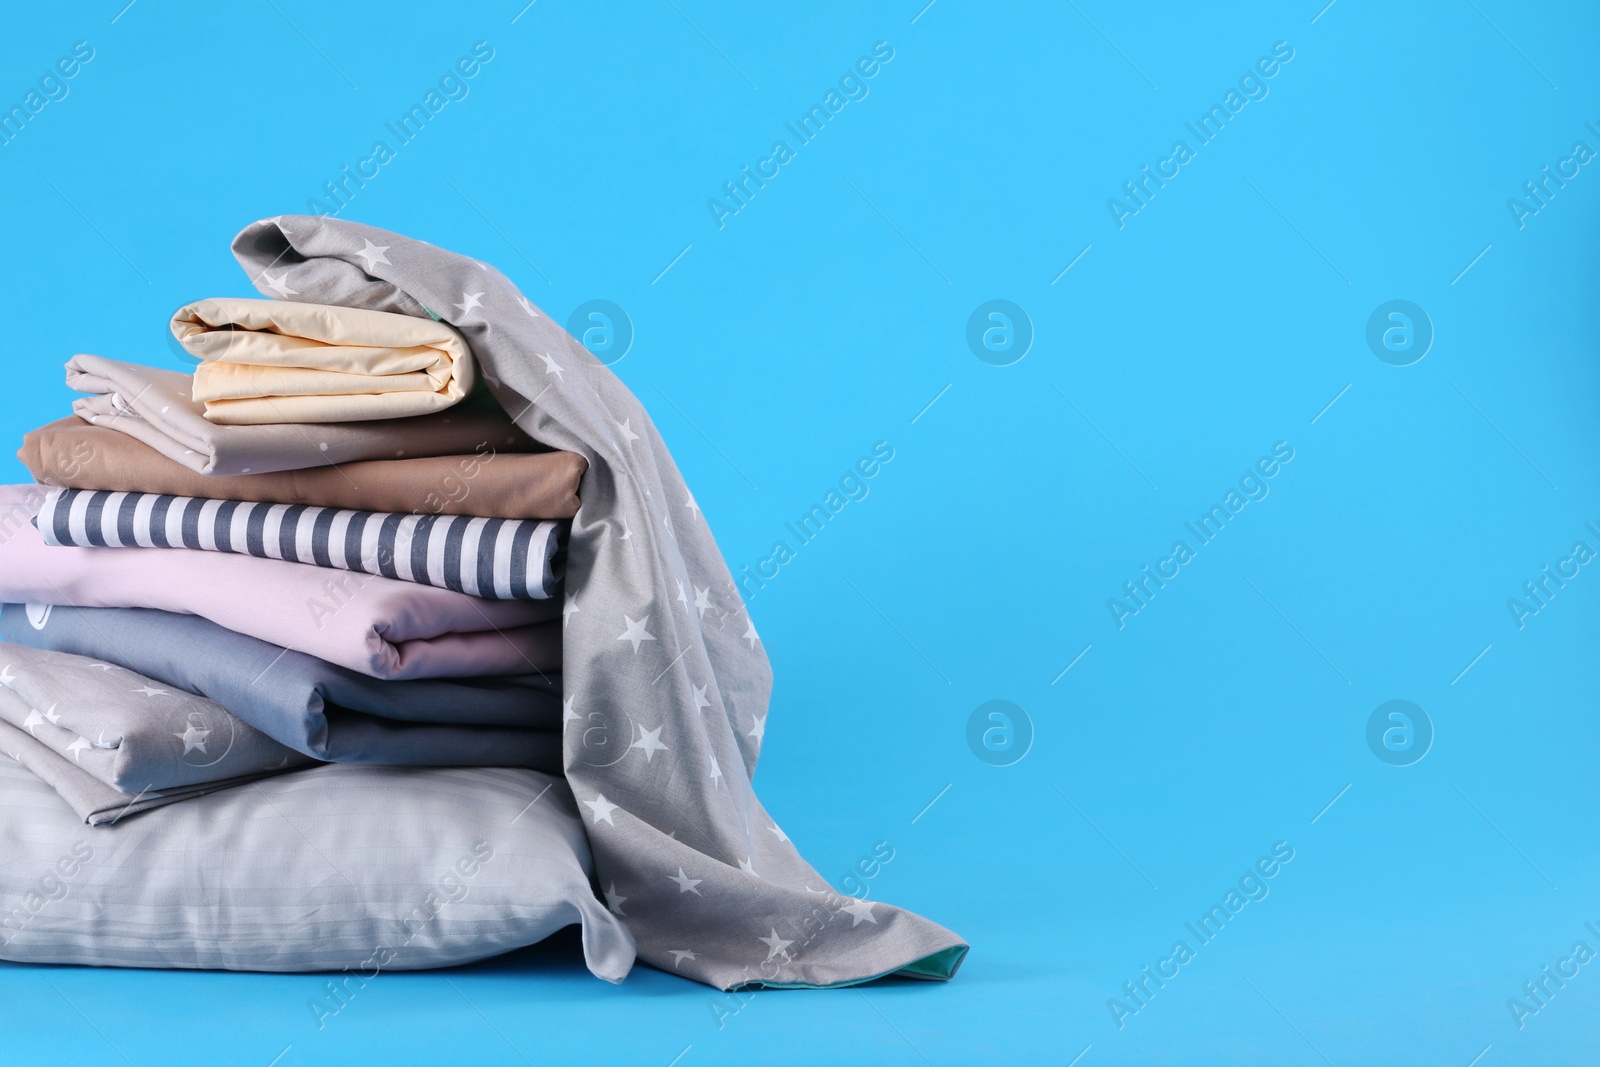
[(1224, 317)]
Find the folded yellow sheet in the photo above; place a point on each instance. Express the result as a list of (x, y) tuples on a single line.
[(274, 361)]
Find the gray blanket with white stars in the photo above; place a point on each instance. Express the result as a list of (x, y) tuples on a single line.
[(666, 682)]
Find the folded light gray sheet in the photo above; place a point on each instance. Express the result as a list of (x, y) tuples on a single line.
[(95, 802), (311, 706), (124, 729), (360, 870), (157, 407)]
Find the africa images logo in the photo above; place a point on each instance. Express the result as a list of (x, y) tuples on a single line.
[(1138, 593), (204, 745), (1137, 193)]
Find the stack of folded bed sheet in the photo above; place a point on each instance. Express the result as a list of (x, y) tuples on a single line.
[(290, 673), (375, 580)]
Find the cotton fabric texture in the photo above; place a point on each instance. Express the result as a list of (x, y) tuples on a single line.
[(486, 481), (374, 625), (156, 407), (333, 868), (664, 671), (124, 729), (91, 800), (501, 559), (273, 361), (313, 707)]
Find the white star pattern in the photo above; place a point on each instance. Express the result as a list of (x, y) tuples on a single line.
[(776, 945), (149, 692), (636, 632), (373, 254), (33, 719), (105, 666), (657, 556), (6, 677), (602, 809), (650, 741), (193, 738), (76, 748), (860, 911), (614, 902), (53, 715)]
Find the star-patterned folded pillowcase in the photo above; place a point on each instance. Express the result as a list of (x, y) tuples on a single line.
[(95, 802), (278, 361), (125, 730)]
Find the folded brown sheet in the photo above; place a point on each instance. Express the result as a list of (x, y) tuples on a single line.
[(74, 454)]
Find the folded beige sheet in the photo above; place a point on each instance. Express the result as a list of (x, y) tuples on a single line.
[(276, 361)]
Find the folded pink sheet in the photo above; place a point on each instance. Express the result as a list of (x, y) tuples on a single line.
[(377, 626)]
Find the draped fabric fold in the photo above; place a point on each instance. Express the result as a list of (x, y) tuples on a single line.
[(666, 681)]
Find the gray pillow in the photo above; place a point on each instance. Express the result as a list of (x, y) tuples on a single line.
[(338, 867)]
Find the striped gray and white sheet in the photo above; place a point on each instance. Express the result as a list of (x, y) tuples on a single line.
[(500, 559)]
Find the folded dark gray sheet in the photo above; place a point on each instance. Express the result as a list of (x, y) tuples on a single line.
[(313, 707)]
